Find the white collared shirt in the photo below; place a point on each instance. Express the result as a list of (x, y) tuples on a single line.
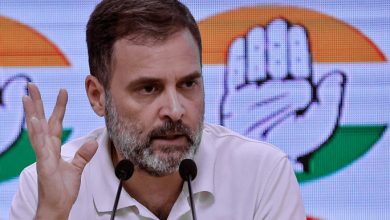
[(238, 178)]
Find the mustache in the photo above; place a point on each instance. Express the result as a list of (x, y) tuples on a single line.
[(170, 128)]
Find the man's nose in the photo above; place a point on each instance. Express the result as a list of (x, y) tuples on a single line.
[(172, 106)]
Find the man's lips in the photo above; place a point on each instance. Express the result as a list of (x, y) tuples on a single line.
[(175, 139)]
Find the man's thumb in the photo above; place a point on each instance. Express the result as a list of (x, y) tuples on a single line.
[(85, 154)]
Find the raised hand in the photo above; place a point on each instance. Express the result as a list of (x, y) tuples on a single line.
[(11, 110), (270, 92), (58, 180)]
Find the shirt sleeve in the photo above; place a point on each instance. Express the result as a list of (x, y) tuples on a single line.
[(281, 198), (24, 203)]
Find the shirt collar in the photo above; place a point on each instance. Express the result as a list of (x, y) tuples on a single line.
[(104, 184), (102, 179), (205, 161)]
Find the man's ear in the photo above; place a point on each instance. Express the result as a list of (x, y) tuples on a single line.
[(96, 95)]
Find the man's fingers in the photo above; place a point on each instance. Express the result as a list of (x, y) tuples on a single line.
[(256, 69), (57, 117), (37, 100), (299, 52), (84, 154), (36, 135), (235, 75), (276, 33), (59, 109), (28, 106), (30, 113)]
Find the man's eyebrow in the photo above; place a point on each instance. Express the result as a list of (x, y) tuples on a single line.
[(191, 76), (153, 80), (143, 81)]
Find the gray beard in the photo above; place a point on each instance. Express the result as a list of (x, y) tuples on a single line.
[(131, 145)]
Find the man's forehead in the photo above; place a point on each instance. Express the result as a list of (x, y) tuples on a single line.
[(179, 54), (136, 42), (151, 40)]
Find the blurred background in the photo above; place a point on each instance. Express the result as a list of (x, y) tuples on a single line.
[(311, 77)]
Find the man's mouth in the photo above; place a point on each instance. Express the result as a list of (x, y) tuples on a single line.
[(170, 136), (170, 139)]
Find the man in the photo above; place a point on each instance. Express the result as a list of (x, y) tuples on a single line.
[(145, 62)]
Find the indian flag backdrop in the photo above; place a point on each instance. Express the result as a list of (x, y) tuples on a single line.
[(312, 77)]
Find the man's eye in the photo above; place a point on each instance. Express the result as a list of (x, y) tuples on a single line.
[(189, 84), (148, 89)]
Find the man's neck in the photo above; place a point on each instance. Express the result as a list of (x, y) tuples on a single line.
[(158, 194)]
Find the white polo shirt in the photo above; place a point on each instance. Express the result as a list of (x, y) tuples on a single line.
[(238, 178)]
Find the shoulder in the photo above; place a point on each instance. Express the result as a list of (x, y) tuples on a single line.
[(226, 141), (239, 157), (250, 171), (29, 174)]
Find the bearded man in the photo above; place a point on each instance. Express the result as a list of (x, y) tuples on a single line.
[(146, 81)]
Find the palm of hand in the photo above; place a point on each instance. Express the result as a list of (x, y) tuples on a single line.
[(58, 180)]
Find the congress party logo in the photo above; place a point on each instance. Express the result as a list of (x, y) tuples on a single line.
[(273, 93), (20, 47)]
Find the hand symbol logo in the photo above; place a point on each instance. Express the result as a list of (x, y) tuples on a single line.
[(271, 94), (11, 110)]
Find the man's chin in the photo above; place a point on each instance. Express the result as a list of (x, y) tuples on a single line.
[(159, 171), (163, 163)]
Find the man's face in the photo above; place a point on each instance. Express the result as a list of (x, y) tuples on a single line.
[(155, 105)]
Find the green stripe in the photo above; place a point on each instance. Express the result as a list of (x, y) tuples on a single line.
[(20, 155), (348, 144)]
